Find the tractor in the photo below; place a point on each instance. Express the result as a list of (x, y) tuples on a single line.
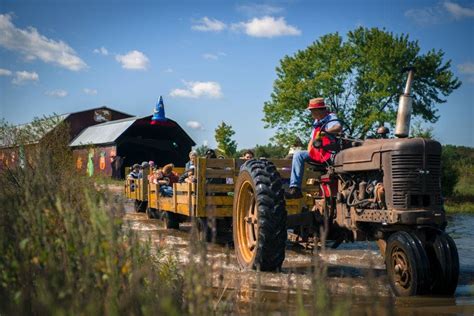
[(383, 190)]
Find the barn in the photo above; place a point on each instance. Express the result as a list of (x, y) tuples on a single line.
[(104, 141), (10, 153), (107, 148)]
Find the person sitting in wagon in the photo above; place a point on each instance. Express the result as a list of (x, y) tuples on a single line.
[(135, 173), (322, 118), (166, 177), (192, 159), (188, 176)]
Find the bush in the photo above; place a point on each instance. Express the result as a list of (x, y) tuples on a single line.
[(64, 249), (449, 171)]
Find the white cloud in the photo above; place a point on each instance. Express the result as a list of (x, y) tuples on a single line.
[(208, 25), (210, 56), (102, 51), (89, 91), (425, 16), (57, 93), (5, 72), (259, 9), (134, 60), (199, 89), (438, 13), (457, 11), (194, 125), (267, 26), (23, 76), (33, 45), (168, 70), (466, 68)]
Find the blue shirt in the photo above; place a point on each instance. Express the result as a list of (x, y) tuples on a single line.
[(321, 122)]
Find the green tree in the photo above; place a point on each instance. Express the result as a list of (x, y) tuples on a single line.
[(417, 130), (449, 171), (361, 78), (270, 151), (201, 150), (225, 144)]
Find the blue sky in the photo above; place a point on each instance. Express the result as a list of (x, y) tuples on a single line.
[(212, 61)]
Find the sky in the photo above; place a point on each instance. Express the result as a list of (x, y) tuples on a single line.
[(212, 61)]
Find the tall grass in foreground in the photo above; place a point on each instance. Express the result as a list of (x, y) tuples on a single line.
[(64, 250)]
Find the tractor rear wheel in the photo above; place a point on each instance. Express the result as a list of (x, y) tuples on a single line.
[(259, 217), (444, 263), (407, 264)]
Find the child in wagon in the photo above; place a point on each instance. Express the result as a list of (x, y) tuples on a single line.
[(165, 178)]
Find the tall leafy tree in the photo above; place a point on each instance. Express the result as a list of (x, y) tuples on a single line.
[(225, 143), (361, 77), (201, 150)]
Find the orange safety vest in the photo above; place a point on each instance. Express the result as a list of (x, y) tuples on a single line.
[(320, 155)]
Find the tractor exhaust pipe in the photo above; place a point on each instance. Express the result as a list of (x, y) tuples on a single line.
[(402, 128)]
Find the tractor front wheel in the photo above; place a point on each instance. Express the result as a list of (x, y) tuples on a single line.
[(407, 263), (444, 263)]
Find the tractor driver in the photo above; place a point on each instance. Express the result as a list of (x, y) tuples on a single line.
[(321, 116)]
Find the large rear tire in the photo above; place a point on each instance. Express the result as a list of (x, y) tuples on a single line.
[(444, 263), (407, 265), (259, 217)]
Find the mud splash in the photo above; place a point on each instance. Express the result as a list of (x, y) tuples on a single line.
[(354, 271)]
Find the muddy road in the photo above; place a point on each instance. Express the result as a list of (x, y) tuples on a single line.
[(353, 273)]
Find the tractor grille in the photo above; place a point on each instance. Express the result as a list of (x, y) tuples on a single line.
[(433, 181), (415, 183)]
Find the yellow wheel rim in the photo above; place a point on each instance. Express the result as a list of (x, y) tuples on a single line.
[(247, 222)]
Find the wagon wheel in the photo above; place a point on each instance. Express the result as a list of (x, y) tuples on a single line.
[(444, 263), (152, 213), (205, 229), (407, 265), (259, 217), (171, 220), (140, 206)]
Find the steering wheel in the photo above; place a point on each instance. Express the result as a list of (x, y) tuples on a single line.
[(345, 130), (337, 145)]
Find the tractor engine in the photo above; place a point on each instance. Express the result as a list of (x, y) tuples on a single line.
[(390, 181), (362, 191)]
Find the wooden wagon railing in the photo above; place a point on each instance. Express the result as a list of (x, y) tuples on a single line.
[(212, 194)]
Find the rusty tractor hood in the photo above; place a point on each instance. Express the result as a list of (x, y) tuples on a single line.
[(368, 156)]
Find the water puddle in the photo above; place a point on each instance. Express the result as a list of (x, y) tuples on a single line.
[(353, 270)]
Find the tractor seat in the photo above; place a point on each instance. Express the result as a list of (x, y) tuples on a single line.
[(316, 166)]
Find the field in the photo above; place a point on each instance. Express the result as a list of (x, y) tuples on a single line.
[(462, 199)]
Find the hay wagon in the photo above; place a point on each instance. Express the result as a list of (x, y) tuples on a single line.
[(209, 202)]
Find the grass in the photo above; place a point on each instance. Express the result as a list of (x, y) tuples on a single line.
[(64, 250), (462, 200)]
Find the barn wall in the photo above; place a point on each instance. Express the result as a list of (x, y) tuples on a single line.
[(94, 161)]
